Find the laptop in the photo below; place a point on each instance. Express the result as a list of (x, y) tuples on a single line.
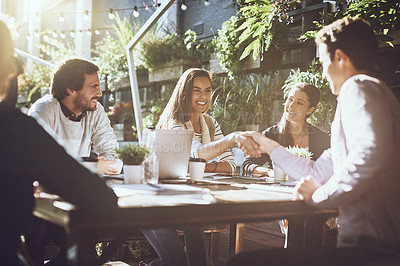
[(173, 151)]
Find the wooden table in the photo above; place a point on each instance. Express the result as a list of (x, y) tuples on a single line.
[(230, 203)]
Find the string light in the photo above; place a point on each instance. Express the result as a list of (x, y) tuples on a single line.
[(206, 3), (183, 5), (135, 12), (111, 14), (89, 32), (61, 17), (86, 16)]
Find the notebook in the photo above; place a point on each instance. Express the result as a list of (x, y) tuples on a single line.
[(173, 151)]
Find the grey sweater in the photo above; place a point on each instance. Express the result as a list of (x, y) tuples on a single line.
[(77, 137)]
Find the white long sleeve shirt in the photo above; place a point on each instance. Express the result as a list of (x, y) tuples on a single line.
[(361, 172), (77, 137)]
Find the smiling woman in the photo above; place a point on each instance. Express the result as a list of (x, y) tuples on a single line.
[(187, 109), (293, 129)]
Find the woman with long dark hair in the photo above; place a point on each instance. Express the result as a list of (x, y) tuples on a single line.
[(187, 109), (293, 129)]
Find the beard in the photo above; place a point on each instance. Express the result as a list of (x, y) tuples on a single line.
[(85, 105)]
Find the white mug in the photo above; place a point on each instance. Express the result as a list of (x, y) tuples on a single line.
[(196, 168)]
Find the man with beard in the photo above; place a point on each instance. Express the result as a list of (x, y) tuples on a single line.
[(75, 115)]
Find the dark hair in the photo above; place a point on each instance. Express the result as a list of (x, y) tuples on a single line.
[(5, 39), (179, 106), (355, 37), (71, 74), (313, 94), (7, 68)]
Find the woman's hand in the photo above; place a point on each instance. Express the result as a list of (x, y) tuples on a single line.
[(305, 188), (246, 143), (263, 171)]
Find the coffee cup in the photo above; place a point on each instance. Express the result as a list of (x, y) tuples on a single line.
[(279, 174), (196, 168)]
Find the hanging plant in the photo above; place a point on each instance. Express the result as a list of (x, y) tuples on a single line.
[(258, 27), (227, 47)]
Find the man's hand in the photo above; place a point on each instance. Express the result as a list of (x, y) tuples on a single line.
[(263, 171), (247, 144), (103, 166), (265, 145), (306, 187)]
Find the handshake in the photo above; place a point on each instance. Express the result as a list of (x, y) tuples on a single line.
[(253, 143)]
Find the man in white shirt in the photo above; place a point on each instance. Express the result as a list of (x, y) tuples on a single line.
[(75, 115), (360, 173)]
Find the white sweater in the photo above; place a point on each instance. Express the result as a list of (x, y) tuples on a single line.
[(77, 137)]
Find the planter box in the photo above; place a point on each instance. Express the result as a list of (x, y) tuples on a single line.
[(248, 64), (142, 78), (173, 71)]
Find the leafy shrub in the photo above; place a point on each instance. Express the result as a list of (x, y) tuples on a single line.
[(132, 154)]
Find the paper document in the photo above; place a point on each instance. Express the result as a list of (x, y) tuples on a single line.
[(157, 189)]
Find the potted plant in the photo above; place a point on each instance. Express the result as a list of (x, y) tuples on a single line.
[(167, 57), (132, 155), (296, 150)]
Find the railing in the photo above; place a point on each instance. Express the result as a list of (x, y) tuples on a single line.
[(34, 58)]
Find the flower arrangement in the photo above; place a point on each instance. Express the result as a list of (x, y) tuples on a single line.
[(299, 151)]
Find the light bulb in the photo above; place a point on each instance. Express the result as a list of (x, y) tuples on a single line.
[(89, 33), (111, 14), (135, 12), (54, 34), (97, 32), (72, 34), (183, 7), (37, 17), (62, 35), (86, 16), (61, 17), (206, 3)]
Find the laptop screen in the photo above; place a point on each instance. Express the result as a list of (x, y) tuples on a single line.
[(173, 150)]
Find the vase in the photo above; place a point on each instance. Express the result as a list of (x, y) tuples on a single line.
[(133, 174)]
